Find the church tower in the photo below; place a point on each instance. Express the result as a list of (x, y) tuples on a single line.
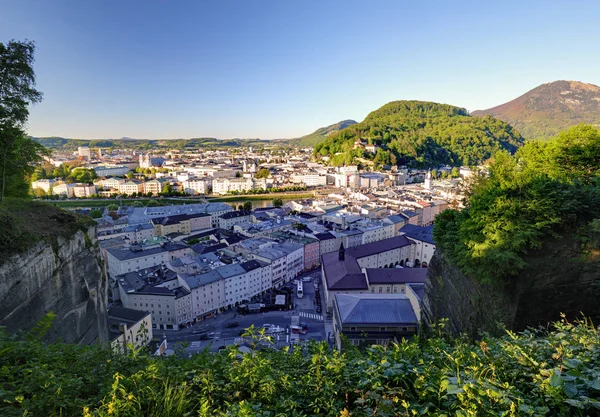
[(428, 180)]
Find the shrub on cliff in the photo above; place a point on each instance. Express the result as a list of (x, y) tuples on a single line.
[(532, 373), (544, 190)]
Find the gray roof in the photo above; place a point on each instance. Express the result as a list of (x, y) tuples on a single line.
[(324, 236), (144, 214), (394, 218), (235, 214), (232, 270), (126, 314), (422, 233), (375, 309), (123, 254), (195, 281), (342, 275), (396, 275)]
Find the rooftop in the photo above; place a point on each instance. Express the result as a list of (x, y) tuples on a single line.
[(422, 233), (375, 309)]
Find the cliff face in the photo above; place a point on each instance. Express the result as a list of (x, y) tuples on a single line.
[(66, 278), (559, 279)]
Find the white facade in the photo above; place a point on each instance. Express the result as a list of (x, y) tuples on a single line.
[(84, 190), (196, 186)]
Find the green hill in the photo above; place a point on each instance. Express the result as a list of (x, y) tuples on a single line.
[(549, 108), (420, 133), (320, 135)]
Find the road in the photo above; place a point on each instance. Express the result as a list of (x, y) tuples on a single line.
[(223, 335)]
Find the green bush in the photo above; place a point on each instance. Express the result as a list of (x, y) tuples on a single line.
[(533, 373)]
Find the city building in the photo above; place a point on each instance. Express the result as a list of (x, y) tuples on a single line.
[(231, 218), (375, 319), (127, 326)]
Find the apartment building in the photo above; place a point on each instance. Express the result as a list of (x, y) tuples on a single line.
[(197, 186), (122, 260), (154, 186), (181, 223), (230, 219), (84, 190), (131, 186), (158, 291)]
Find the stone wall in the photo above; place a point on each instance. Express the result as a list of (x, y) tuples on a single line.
[(65, 277)]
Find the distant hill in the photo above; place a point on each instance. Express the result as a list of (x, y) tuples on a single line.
[(550, 108), (153, 144), (420, 134), (321, 134)]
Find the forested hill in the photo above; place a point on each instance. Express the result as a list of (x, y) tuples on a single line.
[(549, 108), (421, 133)]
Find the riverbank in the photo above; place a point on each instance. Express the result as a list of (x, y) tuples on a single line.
[(258, 200)]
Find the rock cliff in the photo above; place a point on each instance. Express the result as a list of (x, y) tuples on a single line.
[(559, 279), (65, 277)]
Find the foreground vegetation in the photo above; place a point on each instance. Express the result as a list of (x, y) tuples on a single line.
[(545, 190), (532, 373)]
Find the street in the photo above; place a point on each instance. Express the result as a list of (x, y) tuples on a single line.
[(221, 335)]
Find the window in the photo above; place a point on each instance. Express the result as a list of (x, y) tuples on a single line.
[(383, 329), (352, 329), (388, 289), (380, 289)]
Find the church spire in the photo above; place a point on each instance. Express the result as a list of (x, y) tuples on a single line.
[(342, 252)]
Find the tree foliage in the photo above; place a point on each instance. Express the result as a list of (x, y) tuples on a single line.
[(531, 373), (546, 188), (17, 91), (421, 134), (262, 173)]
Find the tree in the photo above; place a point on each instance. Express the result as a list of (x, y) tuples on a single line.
[(17, 92), (262, 173), (455, 172), (278, 202), (247, 205), (95, 214), (112, 207), (39, 192), (167, 189)]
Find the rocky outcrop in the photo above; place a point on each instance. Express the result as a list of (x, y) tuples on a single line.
[(559, 279), (64, 277)]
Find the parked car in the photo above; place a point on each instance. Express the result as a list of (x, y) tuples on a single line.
[(204, 336), (232, 324)]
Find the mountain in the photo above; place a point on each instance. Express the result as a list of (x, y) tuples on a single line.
[(550, 108), (420, 134), (321, 134)]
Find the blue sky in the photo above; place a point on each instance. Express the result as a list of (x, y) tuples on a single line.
[(275, 69)]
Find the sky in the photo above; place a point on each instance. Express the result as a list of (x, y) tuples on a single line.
[(281, 69)]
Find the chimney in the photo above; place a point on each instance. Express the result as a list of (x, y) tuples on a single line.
[(342, 252)]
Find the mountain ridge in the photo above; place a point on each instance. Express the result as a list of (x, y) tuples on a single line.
[(545, 110)]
